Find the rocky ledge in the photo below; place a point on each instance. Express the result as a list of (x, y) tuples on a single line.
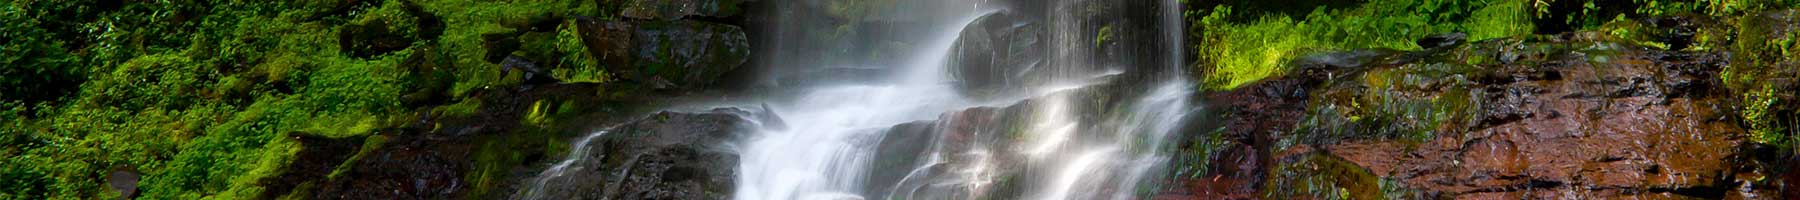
[(1574, 115)]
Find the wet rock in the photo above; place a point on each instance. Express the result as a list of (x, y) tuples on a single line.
[(406, 167), (317, 158), (370, 40), (499, 46), (689, 53), (1443, 40), (1676, 31), (669, 155), (124, 181), (897, 155), (998, 52), (837, 75), (484, 155), (533, 74), (1560, 120), (386, 35), (610, 42), (677, 9), (682, 54)]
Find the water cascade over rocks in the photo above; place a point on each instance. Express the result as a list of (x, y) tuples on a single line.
[(1035, 100), (1066, 99)]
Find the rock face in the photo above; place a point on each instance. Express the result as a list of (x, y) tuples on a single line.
[(1571, 116), (998, 52), (682, 54), (668, 155), (676, 9)]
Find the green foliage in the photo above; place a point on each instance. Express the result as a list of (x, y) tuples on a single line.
[(199, 94), (1765, 50), (34, 67), (1232, 53)]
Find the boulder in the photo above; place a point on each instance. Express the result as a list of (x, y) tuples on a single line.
[(677, 9), (689, 53), (666, 54), (999, 52), (669, 155)]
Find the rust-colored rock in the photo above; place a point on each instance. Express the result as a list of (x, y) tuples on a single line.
[(1575, 116)]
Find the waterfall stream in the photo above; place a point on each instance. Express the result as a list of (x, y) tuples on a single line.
[(1075, 111), (1054, 146)]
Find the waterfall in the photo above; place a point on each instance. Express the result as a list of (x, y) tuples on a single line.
[(1053, 144), (999, 100)]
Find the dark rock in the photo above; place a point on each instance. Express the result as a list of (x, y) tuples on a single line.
[(546, 22), (533, 74), (382, 36), (499, 46), (1443, 40), (1676, 31), (125, 181), (406, 167), (429, 26), (677, 9), (610, 42), (317, 158), (897, 155), (682, 54), (688, 53), (429, 75), (370, 40), (669, 155), (997, 52), (476, 156)]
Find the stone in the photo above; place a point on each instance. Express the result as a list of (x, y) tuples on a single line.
[(998, 52), (1443, 40), (1628, 122), (669, 155), (680, 54), (689, 54), (678, 9), (125, 181)]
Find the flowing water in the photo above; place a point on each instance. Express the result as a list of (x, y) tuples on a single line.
[(1089, 123), (1057, 150)]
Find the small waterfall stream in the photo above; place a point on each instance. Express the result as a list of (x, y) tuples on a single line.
[(1080, 111), (1046, 141)]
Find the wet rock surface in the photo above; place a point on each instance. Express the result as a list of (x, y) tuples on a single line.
[(677, 9), (1567, 116), (124, 181), (999, 52), (669, 155), (481, 156), (666, 54), (318, 156)]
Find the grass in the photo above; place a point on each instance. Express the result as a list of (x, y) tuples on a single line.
[(1232, 53)]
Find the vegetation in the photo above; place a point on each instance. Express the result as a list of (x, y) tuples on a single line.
[(199, 95), (1242, 42), (1237, 46)]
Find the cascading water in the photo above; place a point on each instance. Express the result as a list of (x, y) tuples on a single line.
[(1046, 141), (1006, 100)]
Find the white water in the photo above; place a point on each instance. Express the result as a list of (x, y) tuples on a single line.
[(1061, 151), (833, 131), (822, 152)]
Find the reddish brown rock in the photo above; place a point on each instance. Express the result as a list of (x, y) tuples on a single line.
[(1574, 116)]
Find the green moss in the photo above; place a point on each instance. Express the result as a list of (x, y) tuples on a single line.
[(1322, 176), (197, 94), (1105, 34), (1232, 54), (1765, 52)]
